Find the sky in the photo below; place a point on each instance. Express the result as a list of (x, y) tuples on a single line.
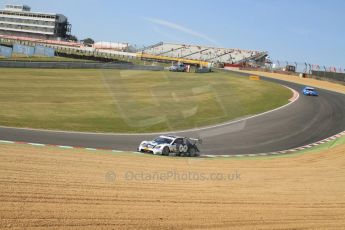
[(301, 31)]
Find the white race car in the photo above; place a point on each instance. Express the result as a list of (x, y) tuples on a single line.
[(178, 68), (164, 145)]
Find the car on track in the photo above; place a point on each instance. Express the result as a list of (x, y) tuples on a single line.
[(169, 144), (178, 68), (309, 91)]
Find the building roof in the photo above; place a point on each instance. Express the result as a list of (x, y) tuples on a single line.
[(26, 11), (17, 7)]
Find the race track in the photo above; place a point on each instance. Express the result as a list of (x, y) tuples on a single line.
[(308, 120)]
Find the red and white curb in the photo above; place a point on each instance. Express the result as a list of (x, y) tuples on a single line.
[(332, 138), (295, 95)]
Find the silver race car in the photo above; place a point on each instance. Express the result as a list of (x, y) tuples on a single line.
[(171, 145)]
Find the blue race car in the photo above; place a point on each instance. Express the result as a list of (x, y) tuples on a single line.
[(309, 91)]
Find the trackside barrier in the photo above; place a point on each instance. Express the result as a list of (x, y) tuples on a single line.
[(44, 51), (5, 51), (329, 75), (26, 50), (76, 65), (39, 50)]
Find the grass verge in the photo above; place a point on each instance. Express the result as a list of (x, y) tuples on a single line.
[(129, 101), (41, 59)]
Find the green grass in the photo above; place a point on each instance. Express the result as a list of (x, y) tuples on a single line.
[(316, 149), (136, 61), (129, 101)]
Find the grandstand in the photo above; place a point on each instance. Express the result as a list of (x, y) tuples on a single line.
[(62, 48), (203, 53), (20, 26)]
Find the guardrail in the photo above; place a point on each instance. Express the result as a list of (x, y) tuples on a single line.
[(76, 65)]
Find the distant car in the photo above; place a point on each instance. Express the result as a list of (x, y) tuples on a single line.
[(178, 68), (309, 91), (164, 145)]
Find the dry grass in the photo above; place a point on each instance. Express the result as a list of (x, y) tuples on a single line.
[(48, 188), (129, 101), (303, 81)]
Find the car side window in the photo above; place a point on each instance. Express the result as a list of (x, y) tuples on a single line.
[(178, 141)]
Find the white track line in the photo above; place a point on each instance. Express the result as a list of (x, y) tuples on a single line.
[(207, 156), (65, 147), (36, 144), (7, 142)]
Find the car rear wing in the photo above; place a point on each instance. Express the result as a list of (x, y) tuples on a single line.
[(196, 141)]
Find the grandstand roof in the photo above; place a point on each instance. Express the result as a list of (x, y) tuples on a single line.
[(202, 53), (209, 46)]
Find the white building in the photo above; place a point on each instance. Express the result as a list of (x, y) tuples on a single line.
[(18, 20), (111, 46)]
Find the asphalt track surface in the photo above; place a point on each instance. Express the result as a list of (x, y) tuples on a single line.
[(307, 120)]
